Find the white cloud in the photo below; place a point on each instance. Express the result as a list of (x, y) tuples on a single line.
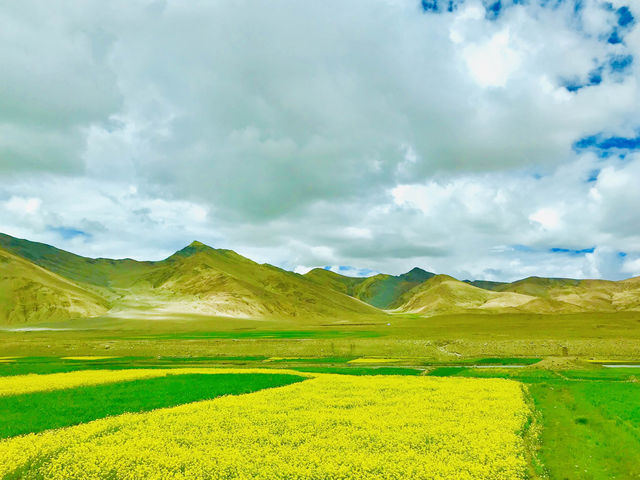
[(22, 206), (547, 217), (632, 267), (492, 62)]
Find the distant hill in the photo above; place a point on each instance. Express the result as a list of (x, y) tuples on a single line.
[(444, 294), (204, 280), (99, 272), (195, 280), (40, 283), (381, 291), (587, 295), (29, 293)]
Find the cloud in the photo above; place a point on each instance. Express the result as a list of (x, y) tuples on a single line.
[(492, 63), (389, 135), (548, 218), (56, 81), (23, 206)]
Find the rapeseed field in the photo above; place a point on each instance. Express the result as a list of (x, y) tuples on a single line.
[(327, 427), (30, 383)]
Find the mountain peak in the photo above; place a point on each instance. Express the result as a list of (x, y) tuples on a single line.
[(192, 249), (416, 274), (417, 270), (197, 244)]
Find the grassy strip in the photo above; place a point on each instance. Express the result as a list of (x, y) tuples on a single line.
[(362, 370), (40, 411), (506, 361), (486, 361), (46, 365), (590, 429), (309, 359), (293, 334)]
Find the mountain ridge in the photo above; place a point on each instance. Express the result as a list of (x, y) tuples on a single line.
[(196, 279), (199, 279), (381, 290)]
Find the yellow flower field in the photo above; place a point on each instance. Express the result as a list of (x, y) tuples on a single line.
[(375, 360), (328, 427), (93, 357), (19, 384)]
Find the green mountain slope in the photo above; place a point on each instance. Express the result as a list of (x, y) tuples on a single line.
[(30, 294), (381, 291)]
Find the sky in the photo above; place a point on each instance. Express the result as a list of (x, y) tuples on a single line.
[(493, 139)]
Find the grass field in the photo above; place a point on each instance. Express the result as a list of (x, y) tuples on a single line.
[(615, 336)]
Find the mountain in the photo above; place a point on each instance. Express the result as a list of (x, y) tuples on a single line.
[(100, 273), (30, 294), (445, 294), (381, 291), (335, 281), (40, 283), (587, 295), (195, 280), (200, 279)]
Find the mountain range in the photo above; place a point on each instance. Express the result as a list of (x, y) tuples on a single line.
[(40, 283)]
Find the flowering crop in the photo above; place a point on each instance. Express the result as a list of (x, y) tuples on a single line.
[(94, 357), (56, 381), (375, 360), (328, 427)]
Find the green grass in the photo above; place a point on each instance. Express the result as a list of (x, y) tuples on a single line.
[(313, 360), (362, 370), (446, 371), (36, 412), (489, 361), (45, 365), (591, 429), (521, 375), (620, 374), (260, 334), (507, 361)]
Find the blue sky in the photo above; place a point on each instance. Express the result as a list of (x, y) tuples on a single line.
[(479, 138)]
